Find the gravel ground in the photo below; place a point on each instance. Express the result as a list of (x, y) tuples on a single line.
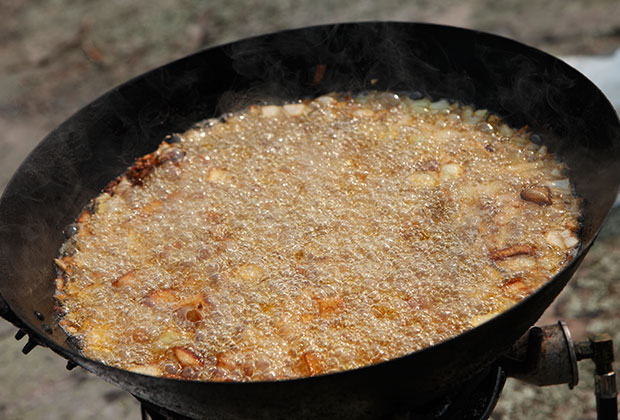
[(58, 55)]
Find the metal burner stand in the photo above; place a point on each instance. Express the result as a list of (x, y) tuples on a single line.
[(475, 400)]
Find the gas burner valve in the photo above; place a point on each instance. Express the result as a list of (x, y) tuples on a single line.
[(548, 356)]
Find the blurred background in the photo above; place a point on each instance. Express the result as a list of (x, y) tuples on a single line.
[(58, 55)]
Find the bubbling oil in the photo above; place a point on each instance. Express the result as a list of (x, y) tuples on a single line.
[(325, 235)]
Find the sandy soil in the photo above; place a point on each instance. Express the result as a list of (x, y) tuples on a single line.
[(57, 55)]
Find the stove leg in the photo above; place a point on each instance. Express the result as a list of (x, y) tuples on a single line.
[(604, 377), (145, 415)]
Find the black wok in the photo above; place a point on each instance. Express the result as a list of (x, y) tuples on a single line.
[(74, 162)]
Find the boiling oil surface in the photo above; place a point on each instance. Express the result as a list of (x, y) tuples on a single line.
[(287, 241)]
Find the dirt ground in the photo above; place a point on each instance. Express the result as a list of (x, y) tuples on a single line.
[(58, 55)]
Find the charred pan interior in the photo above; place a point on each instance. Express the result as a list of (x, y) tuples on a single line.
[(522, 85)]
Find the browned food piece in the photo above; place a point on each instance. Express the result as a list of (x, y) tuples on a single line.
[(127, 279), (60, 284), (426, 165), (516, 286), (186, 357), (312, 363), (69, 326), (152, 206), (161, 297), (141, 169), (248, 368), (62, 263), (225, 360), (151, 369), (329, 306), (213, 217), (512, 251), (192, 309), (539, 195), (141, 335), (189, 313), (144, 165), (111, 187), (218, 175), (171, 154), (83, 218), (381, 311)]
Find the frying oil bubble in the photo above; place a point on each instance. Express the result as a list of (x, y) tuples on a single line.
[(323, 237)]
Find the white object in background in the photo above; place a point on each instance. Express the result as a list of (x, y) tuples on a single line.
[(604, 71)]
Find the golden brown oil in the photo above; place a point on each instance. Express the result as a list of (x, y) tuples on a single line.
[(316, 237)]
